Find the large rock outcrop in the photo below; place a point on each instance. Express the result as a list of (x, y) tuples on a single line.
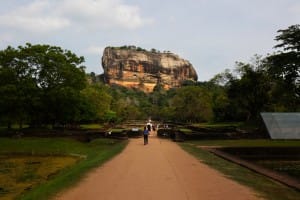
[(138, 68)]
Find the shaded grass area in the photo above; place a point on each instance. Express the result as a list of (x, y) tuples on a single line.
[(264, 186), (16, 127), (249, 127), (220, 125), (13, 126), (247, 143), (19, 173), (117, 130), (241, 125), (289, 167), (92, 154), (185, 130)]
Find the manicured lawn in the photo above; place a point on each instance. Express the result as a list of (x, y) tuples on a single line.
[(88, 156), (266, 187)]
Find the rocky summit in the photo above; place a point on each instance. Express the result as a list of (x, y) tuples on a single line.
[(134, 67)]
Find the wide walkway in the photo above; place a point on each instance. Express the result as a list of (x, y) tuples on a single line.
[(159, 170)]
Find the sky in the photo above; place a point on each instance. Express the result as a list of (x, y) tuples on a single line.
[(211, 34)]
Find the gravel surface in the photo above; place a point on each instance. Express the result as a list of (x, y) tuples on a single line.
[(159, 170)]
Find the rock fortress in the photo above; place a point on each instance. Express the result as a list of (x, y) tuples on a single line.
[(133, 67)]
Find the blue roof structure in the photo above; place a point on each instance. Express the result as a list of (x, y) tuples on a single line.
[(282, 125)]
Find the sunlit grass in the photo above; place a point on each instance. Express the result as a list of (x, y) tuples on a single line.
[(91, 126)]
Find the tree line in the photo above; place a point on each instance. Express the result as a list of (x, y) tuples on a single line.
[(266, 84), (47, 85), (42, 85)]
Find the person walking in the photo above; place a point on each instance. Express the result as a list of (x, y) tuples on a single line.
[(146, 133)]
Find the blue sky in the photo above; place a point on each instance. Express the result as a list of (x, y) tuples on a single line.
[(211, 34)]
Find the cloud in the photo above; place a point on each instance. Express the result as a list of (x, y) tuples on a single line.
[(104, 13), (94, 50), (35, 17), (5, 37), (295, 9), (52, 15)]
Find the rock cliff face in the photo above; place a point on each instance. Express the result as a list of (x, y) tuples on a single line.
[(136, 68)]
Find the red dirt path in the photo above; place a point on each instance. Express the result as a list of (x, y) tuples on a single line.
[(159, 170)]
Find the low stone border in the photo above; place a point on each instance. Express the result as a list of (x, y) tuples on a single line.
[(284, 179)]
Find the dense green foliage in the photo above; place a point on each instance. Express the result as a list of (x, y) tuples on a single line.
[(284, 69), (266, 84), (42, 85)]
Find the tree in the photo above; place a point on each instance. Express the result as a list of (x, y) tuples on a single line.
[(219, 98), (42, 83), (97, 103), (60, 76), (284, 68), (192, 104), (18, 87), (290, 38), (248, 103), (154, 50), (249, 94), (93, 78), (8, 92)]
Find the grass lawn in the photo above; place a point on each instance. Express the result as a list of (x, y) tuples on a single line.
[(88, 156), (91, 126), (117, 130), (225, 125), (268, 188), (84, 126), (247, 143), (19, 173), (219, 125), (185, 130)]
